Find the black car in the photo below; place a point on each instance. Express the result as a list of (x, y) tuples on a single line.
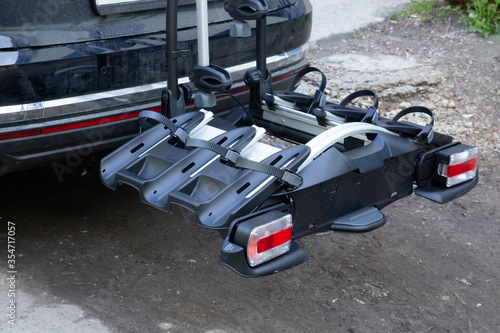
[(75, 74)]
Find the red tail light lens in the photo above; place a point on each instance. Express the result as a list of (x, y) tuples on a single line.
[(275, 240), (458, 169)]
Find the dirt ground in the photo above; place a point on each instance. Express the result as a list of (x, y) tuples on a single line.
[(432, 268)]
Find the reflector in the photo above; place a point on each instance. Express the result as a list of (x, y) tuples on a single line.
[(67, 127)]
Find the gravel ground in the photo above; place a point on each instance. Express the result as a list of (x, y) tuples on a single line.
[(409, 62)]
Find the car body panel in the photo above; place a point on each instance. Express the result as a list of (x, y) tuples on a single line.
[(63, 79)]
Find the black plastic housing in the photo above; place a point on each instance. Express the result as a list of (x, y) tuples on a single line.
[(339, 183)]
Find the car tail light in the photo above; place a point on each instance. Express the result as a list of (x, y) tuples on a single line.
[(457, 164), (269, 240)]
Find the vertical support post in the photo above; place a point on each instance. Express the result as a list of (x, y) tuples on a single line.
[(261, 26), (202, 30), (172, 48), (259, 79), (264, 85), (172, 98)]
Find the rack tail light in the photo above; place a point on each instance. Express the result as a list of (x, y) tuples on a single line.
[(457, 164), (269, 240), (261, 243)]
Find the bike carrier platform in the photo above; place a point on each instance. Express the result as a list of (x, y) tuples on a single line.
[(345, 165)]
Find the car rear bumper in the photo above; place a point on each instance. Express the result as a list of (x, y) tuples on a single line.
[(107, 120), (113, 102)]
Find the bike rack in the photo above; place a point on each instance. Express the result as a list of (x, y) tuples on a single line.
[(346, 169)]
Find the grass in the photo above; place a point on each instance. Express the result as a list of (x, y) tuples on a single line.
[(426, 10), (481, 16)]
